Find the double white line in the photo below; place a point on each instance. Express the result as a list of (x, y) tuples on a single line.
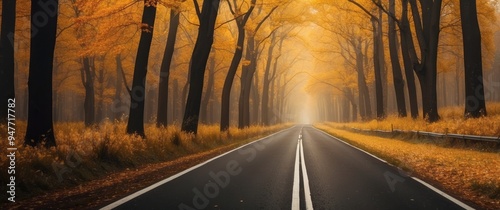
[(296, 179)]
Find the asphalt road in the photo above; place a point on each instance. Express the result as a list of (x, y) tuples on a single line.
[(298, 168)]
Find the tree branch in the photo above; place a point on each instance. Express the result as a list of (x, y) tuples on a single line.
[(197, 8)]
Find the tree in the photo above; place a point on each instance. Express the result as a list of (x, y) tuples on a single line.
[(352, 44), (267, 81), (40, 129), (378, 58), (7, 57), (396, 66), (209, 89), (406, 45), (88, 74), (165, 68), (235, 62), (475, 105), (426, 22), (248, 71), (137, 97), (207, 17)]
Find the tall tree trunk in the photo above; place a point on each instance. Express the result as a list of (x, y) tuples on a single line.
[(88, 84), (427, 28), (350, 96), (199, 59), (228, 82), (40, 129), (381, 57), (7, 57), (363, 95), (475, 105), (246, 79), (379, 91), (428, 73), (405, 35), (267, 81), (396, 66), (137, 97), (254, 116), (235, 62), (209, 90), (162, 116)]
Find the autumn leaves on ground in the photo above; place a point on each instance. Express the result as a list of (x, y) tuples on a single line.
[(101, 153)]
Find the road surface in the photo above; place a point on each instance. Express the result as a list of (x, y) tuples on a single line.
[(298, 168)]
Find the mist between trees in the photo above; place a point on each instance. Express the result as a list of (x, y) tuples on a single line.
[(242, 63)]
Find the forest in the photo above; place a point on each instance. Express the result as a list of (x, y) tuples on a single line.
[(351, 60), (116, 78)]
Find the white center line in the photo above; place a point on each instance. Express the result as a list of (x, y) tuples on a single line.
[(307, 191), (296, 183), (296, 179)]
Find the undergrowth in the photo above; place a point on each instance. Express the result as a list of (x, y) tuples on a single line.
[(471, 174), (452, 121), (84, 154)]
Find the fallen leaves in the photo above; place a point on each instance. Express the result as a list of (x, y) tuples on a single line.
[(472, 175)]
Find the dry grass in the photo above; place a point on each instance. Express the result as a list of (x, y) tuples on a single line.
[(85, 154), (472, 175), (452, 121)]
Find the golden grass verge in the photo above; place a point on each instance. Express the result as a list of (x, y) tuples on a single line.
[(84, 154), (452, 121), (472, 175)]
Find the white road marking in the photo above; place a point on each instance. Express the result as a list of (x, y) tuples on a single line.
[(296, 182), (307, 191), (454, 200), (296, 178), (449, 197), (140, 192)]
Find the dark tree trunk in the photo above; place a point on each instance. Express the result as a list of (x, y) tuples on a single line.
[(405, 34), (381, 57), (267, 81), (364, 95), (40, 129), (396, 66), (475, 105), (209, 91), (162, 116), (137, 97), (428, 72), (246, 79), (350, 96), (427, 28), (235, 62), (100, 100), (199, 59), (379, 91), (272, 112), (88, 84), (7, 57), (254, 116), (228, 83)]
